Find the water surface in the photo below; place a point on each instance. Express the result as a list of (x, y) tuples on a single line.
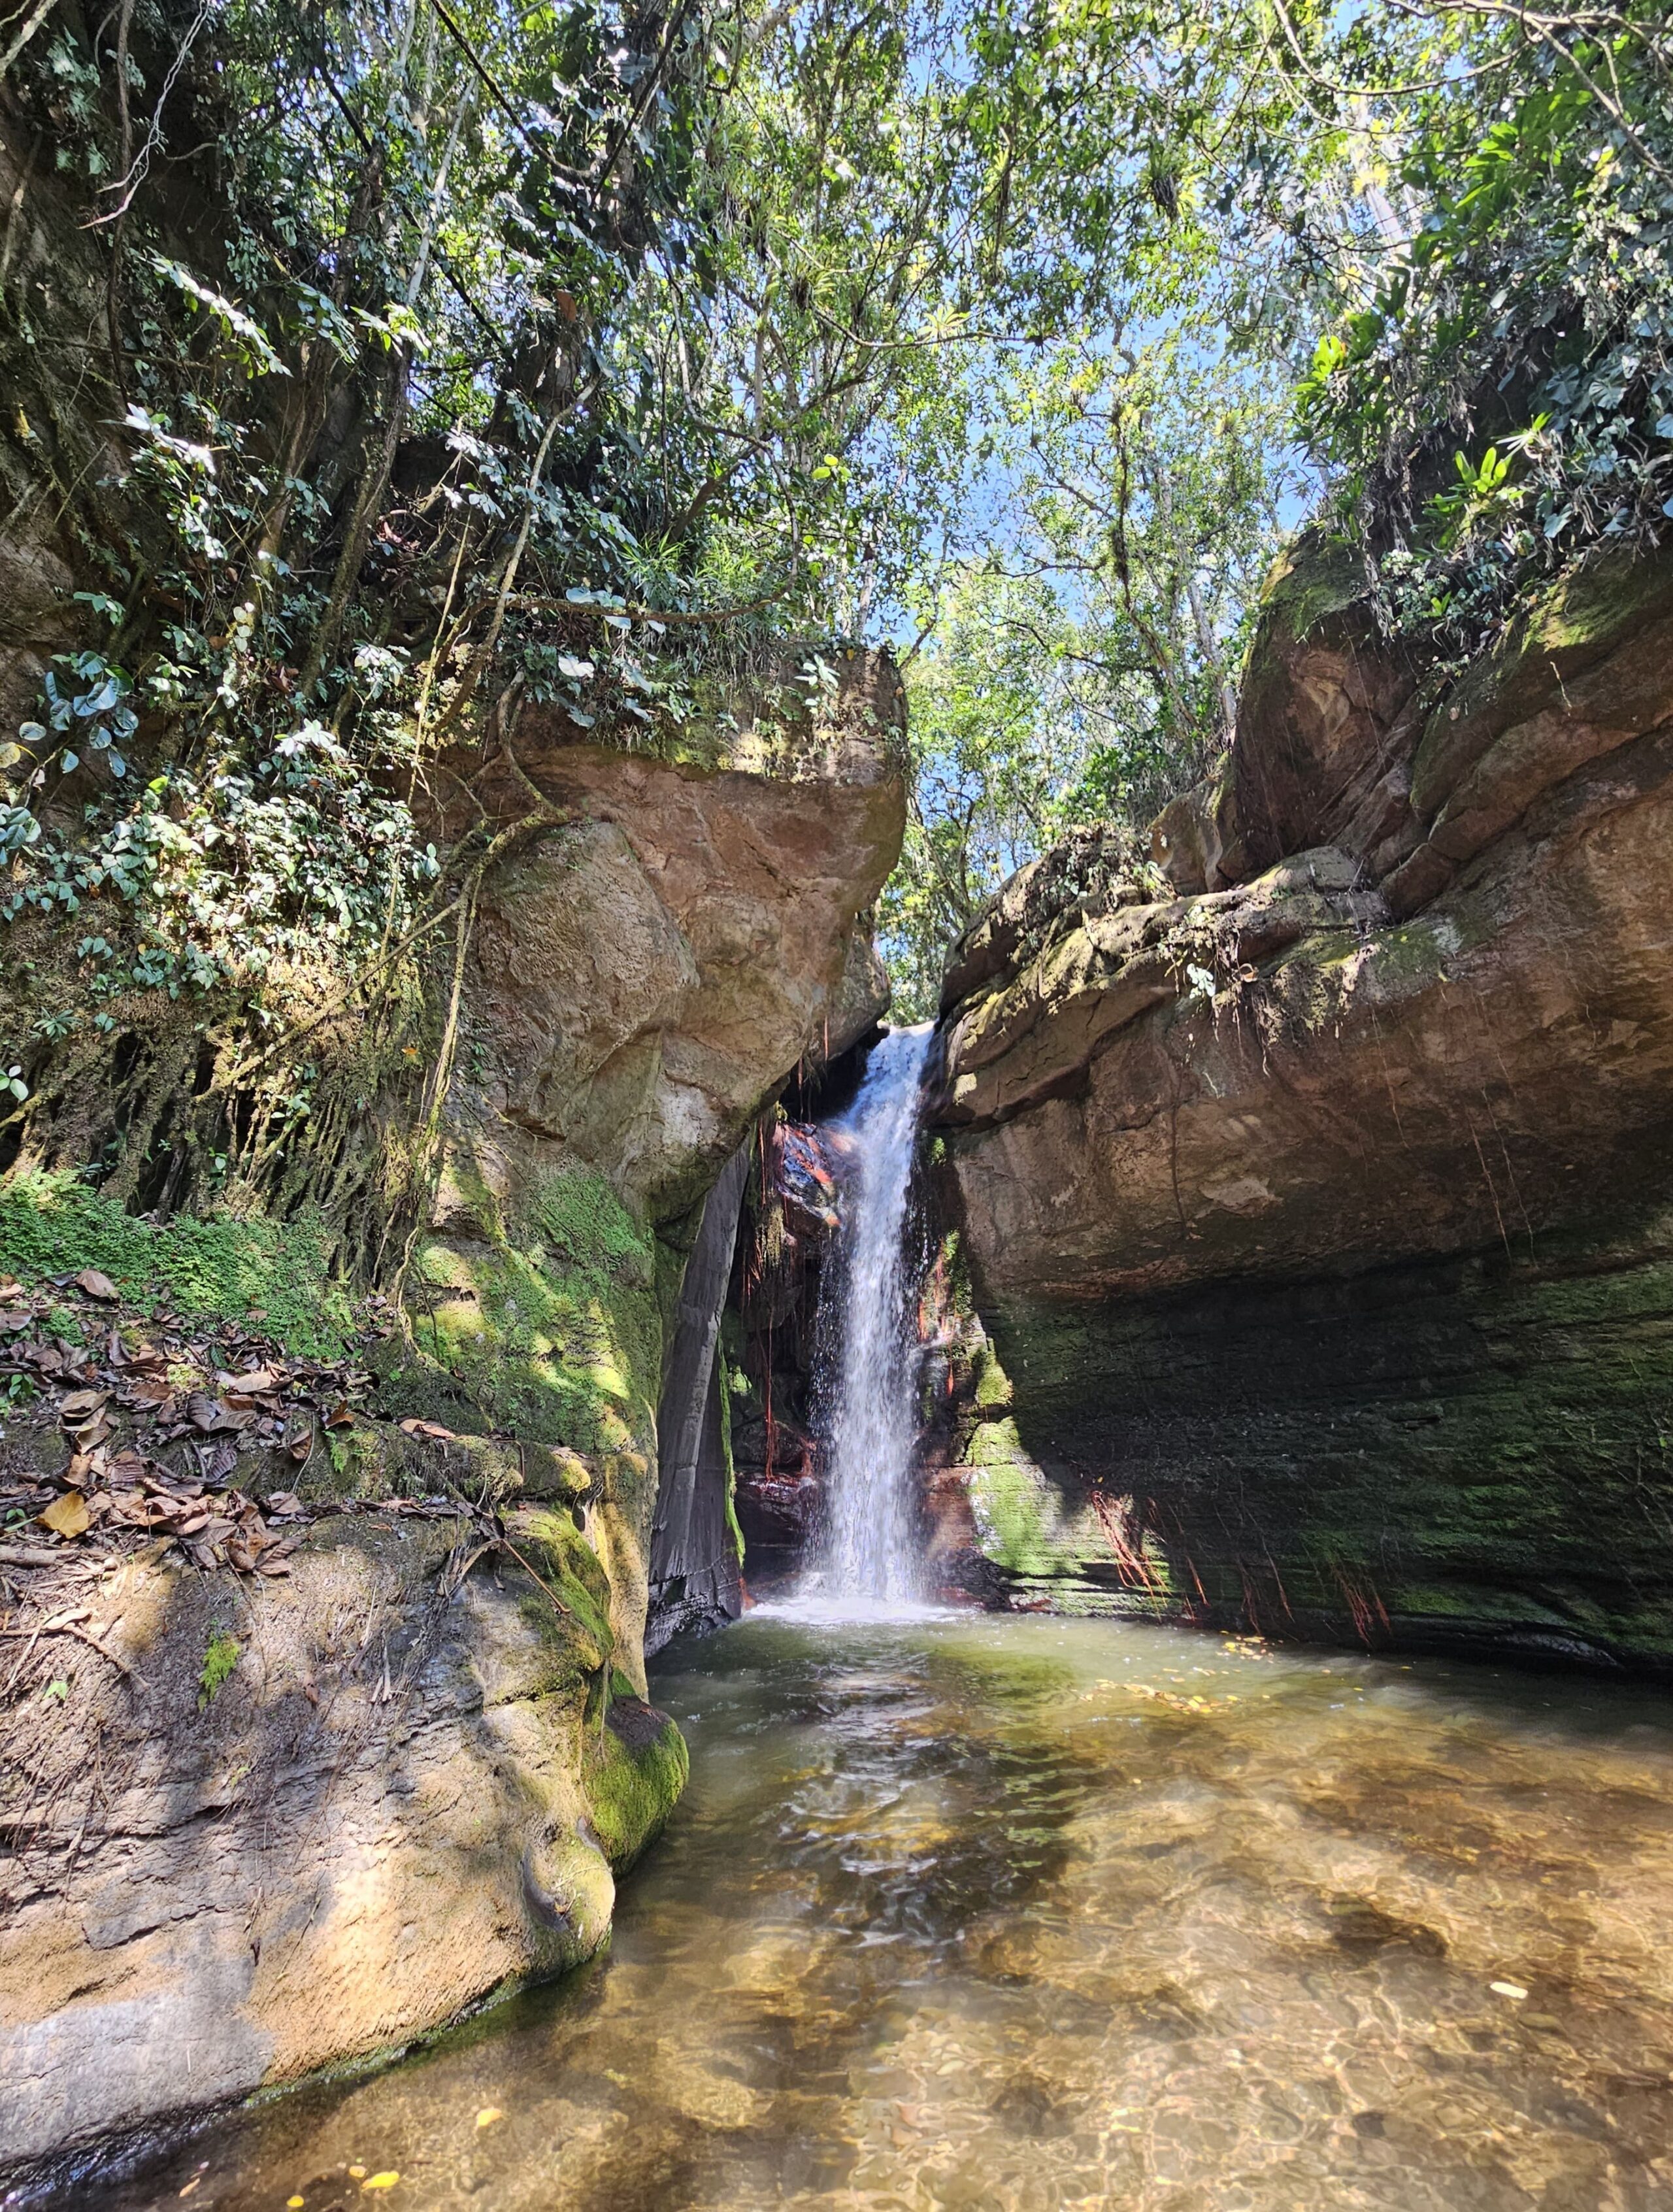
[(1011, 1912)]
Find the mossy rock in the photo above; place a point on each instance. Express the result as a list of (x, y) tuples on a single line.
[(633, 1771), (548, 1327), (1315, 576), (1566, 630)]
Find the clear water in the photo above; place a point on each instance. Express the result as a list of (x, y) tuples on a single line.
[(1018, 1913), (869, 1401)]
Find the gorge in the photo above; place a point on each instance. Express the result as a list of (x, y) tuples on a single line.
[(836, 1004)]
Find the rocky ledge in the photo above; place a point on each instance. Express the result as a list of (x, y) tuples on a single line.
[(1314, 1165)]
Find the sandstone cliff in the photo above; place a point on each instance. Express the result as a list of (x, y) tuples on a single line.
[(1314, 1165), (408, 1782)]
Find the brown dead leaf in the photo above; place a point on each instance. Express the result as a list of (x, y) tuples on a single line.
[(340, 1417), (300, 1447), (256, 1380), (284, 1505), (82, 1405), (215, 1461), (428, 1429), (149, 1392), (68, 1517), (14, 1321), (213, 1416), (98, 1286)]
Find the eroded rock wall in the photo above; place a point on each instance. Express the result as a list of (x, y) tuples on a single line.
[(414, 1785), (1313, 1166), (408, 1790)]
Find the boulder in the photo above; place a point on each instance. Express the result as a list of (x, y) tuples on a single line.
[(322, 1817)]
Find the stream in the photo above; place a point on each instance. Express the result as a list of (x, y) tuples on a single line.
[(1003, 1911)]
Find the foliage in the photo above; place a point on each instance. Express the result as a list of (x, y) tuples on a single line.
[(463, 362), (1524, 307), (220, 1658), (211, 1267), (1095, 675)]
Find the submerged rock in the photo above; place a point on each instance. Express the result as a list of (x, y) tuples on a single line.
[(1315, 1178)]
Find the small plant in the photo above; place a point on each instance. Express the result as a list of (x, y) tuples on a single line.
[(219, 1658)]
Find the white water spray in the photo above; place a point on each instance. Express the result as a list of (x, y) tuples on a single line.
[(871, 1393)]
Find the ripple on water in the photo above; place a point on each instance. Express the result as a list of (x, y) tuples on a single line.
[(1013, 1913)]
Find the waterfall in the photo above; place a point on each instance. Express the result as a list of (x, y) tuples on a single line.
[(870, 1391)]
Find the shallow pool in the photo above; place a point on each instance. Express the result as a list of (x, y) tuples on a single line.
[(1018, 1912)]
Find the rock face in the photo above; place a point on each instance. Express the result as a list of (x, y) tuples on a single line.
[(1314, 1169), (433, 1752), (406, 1792), (696, 1548)]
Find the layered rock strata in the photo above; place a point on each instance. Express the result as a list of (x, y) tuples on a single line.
[(1314, 1166)]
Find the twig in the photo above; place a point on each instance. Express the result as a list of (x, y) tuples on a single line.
[(43, 10)]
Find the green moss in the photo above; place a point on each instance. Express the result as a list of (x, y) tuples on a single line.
[(993, 1385), (1315, 576), (580, 1213), (632, 1792), (215, 1268), (550, 1329), (1479, 1445), (996, 1444), (569, 1571)]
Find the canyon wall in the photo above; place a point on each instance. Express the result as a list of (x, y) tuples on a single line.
[(1313, 1167), (332, 1722)]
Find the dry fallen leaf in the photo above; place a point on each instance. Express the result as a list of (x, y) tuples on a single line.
[(97, 1285), (339, 1417), (68, 1517), (212, 1417), (81, 1403), (252, 1378), (414, 1428)]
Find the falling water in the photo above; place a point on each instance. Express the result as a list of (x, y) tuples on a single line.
[(871, 1396)]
